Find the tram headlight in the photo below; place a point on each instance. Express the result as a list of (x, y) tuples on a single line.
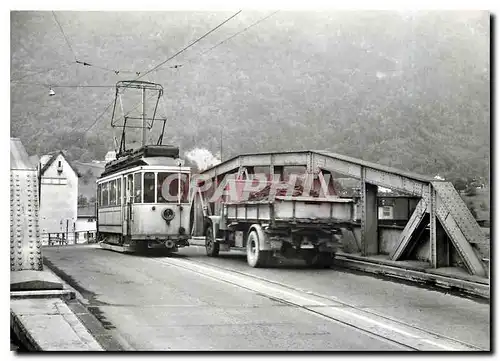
[(182, 230), (168, 214)]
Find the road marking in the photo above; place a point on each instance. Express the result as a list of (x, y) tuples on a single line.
[(389, 329)]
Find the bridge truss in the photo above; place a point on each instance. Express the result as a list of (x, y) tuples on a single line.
[(440, 209)]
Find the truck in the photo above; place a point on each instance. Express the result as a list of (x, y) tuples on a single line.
[(271, 226)]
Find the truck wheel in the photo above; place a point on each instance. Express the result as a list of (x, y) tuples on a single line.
[(255, 257), (211, 246)]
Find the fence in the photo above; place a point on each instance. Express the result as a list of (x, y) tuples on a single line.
[(70, 238)]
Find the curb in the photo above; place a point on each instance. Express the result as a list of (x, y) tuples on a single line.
[(63, 294), (22, 333)]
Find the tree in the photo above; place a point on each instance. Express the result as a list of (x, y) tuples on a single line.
[(460, 184), (87, 176), (471, 191), (82, 200)]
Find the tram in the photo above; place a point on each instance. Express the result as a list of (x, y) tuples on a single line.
[(143, 201)]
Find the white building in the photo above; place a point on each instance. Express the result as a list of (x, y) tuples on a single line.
[(85, 228), (58, 196)]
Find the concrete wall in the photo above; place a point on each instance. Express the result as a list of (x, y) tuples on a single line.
[(388, 238), (58, 198), (83, 225)]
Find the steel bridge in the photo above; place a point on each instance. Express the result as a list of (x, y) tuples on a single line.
[(441, 231), (44, 314)]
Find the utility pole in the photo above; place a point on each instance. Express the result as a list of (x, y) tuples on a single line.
[(144, 116), (221, 144)]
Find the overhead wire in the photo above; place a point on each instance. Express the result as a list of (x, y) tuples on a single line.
[(99, 117), (65, 37), (138, 73), (139, 77), (227, 39), (218, 44), (164, 62), (186, 47), (84, 63)]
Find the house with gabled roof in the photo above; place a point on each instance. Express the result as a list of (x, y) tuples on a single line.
[(58, 193)]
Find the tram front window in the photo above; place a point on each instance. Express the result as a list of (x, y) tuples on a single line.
[(168, 187), (149, 187), (138, 188)]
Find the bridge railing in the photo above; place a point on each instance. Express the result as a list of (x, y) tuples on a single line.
[(66, 239)]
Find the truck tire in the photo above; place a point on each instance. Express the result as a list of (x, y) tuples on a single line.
[(255, 257), (211, 246)]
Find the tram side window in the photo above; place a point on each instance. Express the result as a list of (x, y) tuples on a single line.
[(130, 189), (118, 192), (168, 187), (137, 187), (98, 199), (105, 194), (112, 193), (149, 187)]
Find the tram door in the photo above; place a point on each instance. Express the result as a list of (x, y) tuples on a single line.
[(128, 199)]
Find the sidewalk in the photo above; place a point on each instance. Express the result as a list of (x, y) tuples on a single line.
[(41, 319), (49, 325)]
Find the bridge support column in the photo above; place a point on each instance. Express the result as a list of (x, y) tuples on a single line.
[(25, 242), (439, 245), (369, 217)]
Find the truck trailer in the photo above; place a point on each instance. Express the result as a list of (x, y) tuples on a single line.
[(271, 224)]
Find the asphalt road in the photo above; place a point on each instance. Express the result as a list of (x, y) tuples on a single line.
[(192, 302)]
